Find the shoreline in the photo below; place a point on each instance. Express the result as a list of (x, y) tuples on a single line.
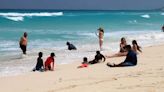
[(147, 76), (75, 62)]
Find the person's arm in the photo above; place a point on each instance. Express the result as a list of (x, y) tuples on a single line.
[(103, 58), (42, 63), (53, 65), (139, 49)]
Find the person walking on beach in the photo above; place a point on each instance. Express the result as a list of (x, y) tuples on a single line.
[(101, 37), (131, 59), (39, 65), (49, 63), (23, 43)]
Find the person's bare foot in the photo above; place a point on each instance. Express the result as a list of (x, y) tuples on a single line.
[(110, 65)]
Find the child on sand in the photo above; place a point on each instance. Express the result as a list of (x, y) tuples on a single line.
[(39, 65), (49, 63), (84, 63), (98, 58)]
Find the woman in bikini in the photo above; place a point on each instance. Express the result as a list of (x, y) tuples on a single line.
[(101, 37), (122, 51)]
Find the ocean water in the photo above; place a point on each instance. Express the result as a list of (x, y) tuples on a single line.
[(48, 31)]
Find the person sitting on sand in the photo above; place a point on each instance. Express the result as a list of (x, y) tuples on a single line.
[(23, 43), (39, 65), (84, 63), (70, 46), (135, 47), (49, 63), (122, 51), (101, 37), (131, 59), (98, 58)]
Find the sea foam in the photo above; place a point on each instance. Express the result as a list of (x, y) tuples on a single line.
[(13, 14), (20, 16), (145, 16), (15, 18)]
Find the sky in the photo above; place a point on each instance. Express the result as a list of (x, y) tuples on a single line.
[(82, 4)]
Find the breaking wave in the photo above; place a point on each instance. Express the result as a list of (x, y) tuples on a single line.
[(20, 16), (145, 16)]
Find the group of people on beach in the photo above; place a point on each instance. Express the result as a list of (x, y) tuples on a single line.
[(125, 50)]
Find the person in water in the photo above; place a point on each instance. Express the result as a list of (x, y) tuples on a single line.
[(23, 43), (131, 59), (101, 37), (136, 47), (98, 58), (39, 65), (70, 46), (84, 63), (49, 63), (163, 28), (122, 51)]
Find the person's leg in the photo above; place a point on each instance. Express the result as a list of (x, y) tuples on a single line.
[(21, 46), (100, 43), (24, 49), (49, 67), (123, 64), (92, 62), (119, 54)]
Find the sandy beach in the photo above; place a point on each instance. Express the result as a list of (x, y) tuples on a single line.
[(147, 76)]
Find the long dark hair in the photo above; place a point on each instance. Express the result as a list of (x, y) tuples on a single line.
[(138, 47)]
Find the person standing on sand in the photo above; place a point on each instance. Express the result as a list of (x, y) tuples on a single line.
[(101, 37), (23, 43)]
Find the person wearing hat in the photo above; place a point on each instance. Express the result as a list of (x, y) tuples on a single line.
[(49, 63), (101, 37)]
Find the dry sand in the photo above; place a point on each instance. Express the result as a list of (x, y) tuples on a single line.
[(147, 76)]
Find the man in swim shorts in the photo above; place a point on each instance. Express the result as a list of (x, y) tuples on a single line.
[(23, 43)]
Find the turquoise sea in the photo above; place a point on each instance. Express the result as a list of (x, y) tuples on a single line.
[(48, 31)]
